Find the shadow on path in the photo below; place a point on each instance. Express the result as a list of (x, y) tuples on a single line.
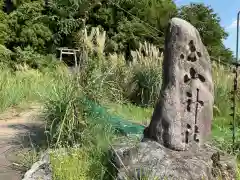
[(30, 135), (18, 135)]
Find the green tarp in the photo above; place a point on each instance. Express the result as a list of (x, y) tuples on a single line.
[(122, 126)]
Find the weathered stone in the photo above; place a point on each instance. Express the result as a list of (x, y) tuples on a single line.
[(40, 169), (182, 117), (181, 120), (151, 160)]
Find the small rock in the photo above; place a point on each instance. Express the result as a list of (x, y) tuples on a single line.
[(40, 170)]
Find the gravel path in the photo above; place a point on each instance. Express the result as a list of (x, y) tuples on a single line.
[(14, 128)]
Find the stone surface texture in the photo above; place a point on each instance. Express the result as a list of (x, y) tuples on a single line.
[(182, 117), (40, 170), (175, 146), (152, 161)]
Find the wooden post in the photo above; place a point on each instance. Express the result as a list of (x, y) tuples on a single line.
[(219, 61), (61, 55), (75, 58)]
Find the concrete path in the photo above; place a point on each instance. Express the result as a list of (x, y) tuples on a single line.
[(15, 129)]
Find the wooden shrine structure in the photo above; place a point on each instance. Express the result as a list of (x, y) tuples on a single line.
[(66, 50)]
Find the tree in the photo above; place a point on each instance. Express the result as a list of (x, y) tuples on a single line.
[(3, 24), (28, 26), (5, 54), (207, 23), (129, 22), (43, 25), (66, 17)]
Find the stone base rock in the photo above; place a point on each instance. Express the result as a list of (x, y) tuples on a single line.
[(40, 170), (152, 161)]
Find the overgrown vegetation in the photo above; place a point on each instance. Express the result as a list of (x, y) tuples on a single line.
[(29, 86), (47, 25), (121, 70), (146, 91)]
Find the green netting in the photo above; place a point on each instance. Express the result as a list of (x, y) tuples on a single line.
[(122, 126)]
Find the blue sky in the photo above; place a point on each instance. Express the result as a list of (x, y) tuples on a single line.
[(227, 11)]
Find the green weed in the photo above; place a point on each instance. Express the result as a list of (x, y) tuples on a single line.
[(21, 87)]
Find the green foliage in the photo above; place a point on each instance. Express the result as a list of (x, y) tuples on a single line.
[(32, 31), (65, 117), (124, 22), (24, 87), (5, 55), (3, 26), (86, 162), (28, 27), (17, 3), (146, 84), (28, 56), (66, 17)]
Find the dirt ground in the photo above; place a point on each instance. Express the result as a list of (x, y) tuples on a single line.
[(18, 130)]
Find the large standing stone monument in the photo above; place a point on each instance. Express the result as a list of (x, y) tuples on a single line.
[(183, 115), (174, 144)]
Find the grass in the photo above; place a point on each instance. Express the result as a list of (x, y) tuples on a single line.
[(76, 163), (24, 87), (125, 110), (109, 82), (90, 160), (72, 165), (86, 162), (61, 94), (130, 112), (24, 158)]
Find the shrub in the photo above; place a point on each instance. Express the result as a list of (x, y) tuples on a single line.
[(65, 116), (28, 56), (146, 84), (5, 56), (113, 77), (29, 26), (146, 80)]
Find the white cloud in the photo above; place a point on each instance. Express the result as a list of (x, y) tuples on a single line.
[(178, 1), (233, 25)]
